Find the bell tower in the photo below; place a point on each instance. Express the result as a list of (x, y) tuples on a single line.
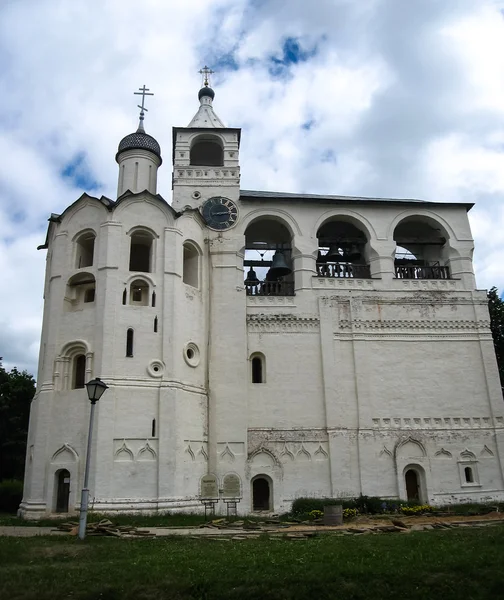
[(205, 155)]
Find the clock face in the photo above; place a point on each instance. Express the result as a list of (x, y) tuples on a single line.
[(219, 213)]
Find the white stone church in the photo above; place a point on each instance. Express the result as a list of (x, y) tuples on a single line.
[(258, 346)]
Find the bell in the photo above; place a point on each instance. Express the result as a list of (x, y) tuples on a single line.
[(334, 254), (354, 253), (251, 278), (278, 268)]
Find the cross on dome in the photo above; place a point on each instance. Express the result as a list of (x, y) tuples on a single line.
[(205, 72), (144, 91)]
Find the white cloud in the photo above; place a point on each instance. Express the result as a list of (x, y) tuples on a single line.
[(402, 98)]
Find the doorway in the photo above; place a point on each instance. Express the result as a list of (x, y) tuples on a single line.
[(62, 491), (261, 494), (412, 485)]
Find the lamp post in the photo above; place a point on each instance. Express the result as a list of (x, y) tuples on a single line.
[(95, 389)]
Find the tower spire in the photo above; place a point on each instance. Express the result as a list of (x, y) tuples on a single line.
[(144, 91)]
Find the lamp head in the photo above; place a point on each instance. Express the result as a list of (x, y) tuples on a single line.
[(95, 389)]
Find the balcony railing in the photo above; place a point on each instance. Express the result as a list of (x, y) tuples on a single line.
[(418, 272), (343, 269), (271, 288)]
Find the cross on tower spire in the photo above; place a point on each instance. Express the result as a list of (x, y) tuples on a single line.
[(205, 72), (144, 91)]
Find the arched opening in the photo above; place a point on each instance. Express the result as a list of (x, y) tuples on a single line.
[(141, 252), (84, 250), (342, 250), (80, 290), (79, 372), (62, 490), (261, 493), (468, 473), (207, 152), (412, 481), (139, 293), (129, 342), (258, 368), (190, 269), (422, 249), (268, 259)]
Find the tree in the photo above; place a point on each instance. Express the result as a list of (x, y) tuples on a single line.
[(496, 309), (16, 392)]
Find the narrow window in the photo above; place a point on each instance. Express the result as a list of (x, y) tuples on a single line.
[(469, 477), (155, 324), (136, 295), (124, 296), (129, 342), (190, 268), (153, 299), (257, 370), (89, 295), (79, 374), (153, 432)]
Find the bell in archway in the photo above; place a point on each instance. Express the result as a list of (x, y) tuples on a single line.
[(334, 254), (279, 267), (251, 278)]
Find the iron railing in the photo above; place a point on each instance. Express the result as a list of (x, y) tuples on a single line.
[(271, 288), (343, 269), (417, 272)]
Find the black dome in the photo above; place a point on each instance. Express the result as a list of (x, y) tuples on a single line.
[(139, 141), (206, 91)]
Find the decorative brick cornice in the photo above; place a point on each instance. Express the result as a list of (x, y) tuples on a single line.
[(415, 325), (438, 422), (284, 323)]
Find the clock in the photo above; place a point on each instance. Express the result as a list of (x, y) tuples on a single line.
[(219, 213)]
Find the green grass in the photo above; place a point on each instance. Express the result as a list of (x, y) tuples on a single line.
[(449, 564)]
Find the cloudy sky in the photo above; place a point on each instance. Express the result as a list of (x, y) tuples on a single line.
[(398, 98)]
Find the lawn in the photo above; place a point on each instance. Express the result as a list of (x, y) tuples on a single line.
[(449, 564)]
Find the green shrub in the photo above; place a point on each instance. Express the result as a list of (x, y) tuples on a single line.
[(11, 494)]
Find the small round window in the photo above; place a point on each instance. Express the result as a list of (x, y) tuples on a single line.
[(191, 354), (156, 368)]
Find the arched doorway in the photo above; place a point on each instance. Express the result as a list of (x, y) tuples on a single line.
[(412, 485), (62, 490), (261, 494)]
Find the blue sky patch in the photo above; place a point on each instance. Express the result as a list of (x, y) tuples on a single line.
[(78, 174), (307, 125), (292, 53), (328, 156)]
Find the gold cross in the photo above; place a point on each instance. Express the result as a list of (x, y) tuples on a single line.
[(205, 72)]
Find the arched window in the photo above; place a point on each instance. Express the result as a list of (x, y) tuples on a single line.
[(153, 302), (79, 372), (84, 250), (258, 368), (268, 258), (342, 250), (124, 296), (139, 293), (80, 290), (141, 252), (155, 324), (190, 274), (129, 342), (469, 477), (207, 152), (422, 249)]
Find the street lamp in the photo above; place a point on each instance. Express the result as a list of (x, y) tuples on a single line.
[(95, 389)]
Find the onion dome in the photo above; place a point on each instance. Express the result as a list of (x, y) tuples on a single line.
[(206, 91), (139, 141)]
